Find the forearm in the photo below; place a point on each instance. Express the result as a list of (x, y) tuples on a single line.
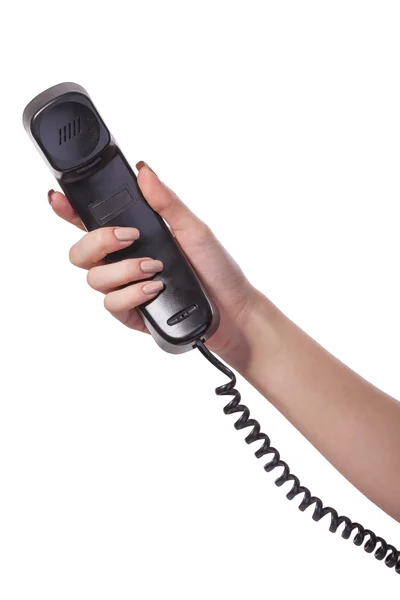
[(352, 423)]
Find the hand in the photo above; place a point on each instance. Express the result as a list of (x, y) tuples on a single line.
[(235, 297)]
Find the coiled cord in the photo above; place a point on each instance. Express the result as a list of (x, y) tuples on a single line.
[(365, 537)]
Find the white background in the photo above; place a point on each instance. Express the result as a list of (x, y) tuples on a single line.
[(279, 124)]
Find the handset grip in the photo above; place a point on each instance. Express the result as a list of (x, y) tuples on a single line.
[(107, 194)]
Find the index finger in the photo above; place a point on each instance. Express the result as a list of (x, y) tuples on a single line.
[(61, 206)]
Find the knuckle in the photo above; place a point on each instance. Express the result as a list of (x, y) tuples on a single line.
[(109, 237), (127, 270), (91, 277), (108, 303), (100, 237), (204, 231), (73, 255), (101, 241)]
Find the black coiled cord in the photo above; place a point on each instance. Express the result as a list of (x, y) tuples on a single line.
[(371, 541)]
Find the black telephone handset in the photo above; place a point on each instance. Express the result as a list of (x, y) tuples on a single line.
[(101, 186)]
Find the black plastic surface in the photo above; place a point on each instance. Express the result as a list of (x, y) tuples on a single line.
[(101, 186)]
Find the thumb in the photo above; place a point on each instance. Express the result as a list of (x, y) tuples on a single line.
[(166, 203)]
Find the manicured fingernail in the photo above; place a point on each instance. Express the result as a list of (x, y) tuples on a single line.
[(153, 287), (50, 195), (142, 164), (151, 266), (126, 234)]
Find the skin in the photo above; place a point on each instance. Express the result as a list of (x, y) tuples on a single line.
[(352, 423)]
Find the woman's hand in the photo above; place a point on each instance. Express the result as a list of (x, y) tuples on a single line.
[(235, 297)]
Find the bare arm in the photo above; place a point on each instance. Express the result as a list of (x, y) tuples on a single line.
[(337, 410)]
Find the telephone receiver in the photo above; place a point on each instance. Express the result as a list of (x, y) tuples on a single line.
[(95, 176)]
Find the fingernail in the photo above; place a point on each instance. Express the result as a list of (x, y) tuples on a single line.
[(50, 196), (142, 164), (126, 234), (151, 266), (153, 287)]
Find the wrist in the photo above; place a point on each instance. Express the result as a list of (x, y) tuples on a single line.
[(256, 336)]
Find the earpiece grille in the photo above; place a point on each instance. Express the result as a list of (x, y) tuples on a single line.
[(69, 131)]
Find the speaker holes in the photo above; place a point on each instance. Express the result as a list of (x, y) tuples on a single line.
[(69, 131)]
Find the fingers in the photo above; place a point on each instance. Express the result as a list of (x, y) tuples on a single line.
[(89, 253), (108, 277), (131, 319), (120, 301), (167, 204), (63, 209), (95, 245), (160, 197)]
